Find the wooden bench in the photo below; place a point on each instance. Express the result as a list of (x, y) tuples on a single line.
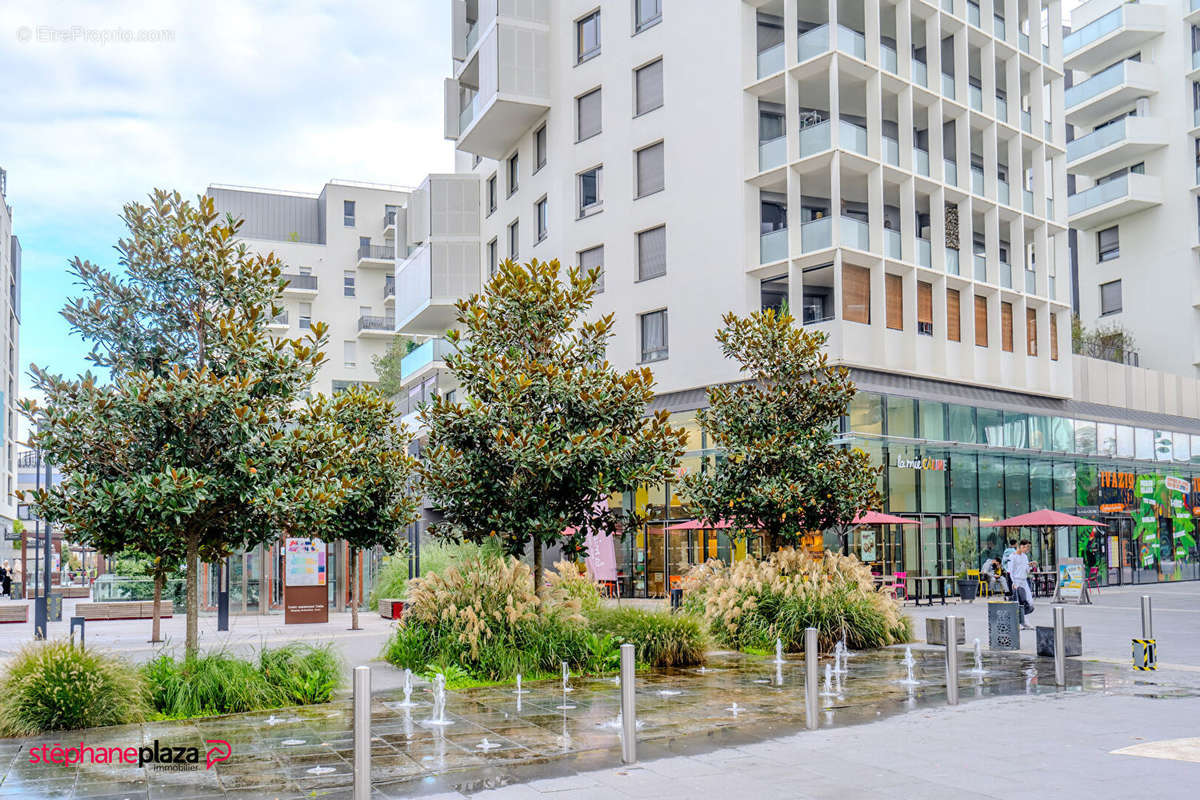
[(129, 609), (14, 612), (73, 592)]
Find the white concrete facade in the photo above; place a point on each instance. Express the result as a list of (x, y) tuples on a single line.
[(793, 166), (1135, 112), (341, 265), (10, 323)]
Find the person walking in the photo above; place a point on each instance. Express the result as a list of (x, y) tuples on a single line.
[(6, 581), (1018, 572)]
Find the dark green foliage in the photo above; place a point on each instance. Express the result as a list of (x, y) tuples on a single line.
[(305, 673), (662, 639)]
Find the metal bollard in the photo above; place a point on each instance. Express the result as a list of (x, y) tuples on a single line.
[(1060, 647), (362, 733), (1147, 618), (628, 706), (951, 660), (810, 678), (78, 622)]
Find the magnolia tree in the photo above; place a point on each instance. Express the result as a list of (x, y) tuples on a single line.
[(197, 445), (781, 472), (546, 430)]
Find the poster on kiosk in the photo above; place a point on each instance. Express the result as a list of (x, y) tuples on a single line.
[(305, 593)]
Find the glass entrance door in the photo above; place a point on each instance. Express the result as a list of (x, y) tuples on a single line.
[(928, 547)]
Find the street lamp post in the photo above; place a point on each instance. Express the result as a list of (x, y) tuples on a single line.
[(41, 602)]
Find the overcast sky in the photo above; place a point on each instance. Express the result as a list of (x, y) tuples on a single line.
[(283, 95)]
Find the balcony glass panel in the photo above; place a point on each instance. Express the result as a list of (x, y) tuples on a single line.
[(1030, 282), (1001, 109), (1053, 285), (980, 263), (852, 137), (951, 172), (770, 60), (952, 267), (1026, 122), (1002, 192), (1097, 195), (948, 6), (1049, 130), (1196, 59), (1046, 53), (998, 28), (816, 234), (891, 151), (920, 73), (976, 180), (924, 253), (1196, 113), (1006, 275), (424, 355), (813, 43), (1096, 140), (921, 161), (814, 139), (891, 243), (1100, 82), (467, 114), (887, 57), (472, 36), (1024, 40), (772, 153), (773, 246), (1049, 208), (852, 42), (1197, 175), (1093, 31), (1195, 4), (975, 95), (973, 13), (1027, 201), (854, 233), (948, 86)]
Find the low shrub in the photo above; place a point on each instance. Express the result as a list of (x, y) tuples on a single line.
[(56, 686), (662, 639), (436, 556), (752, 603), (305, 673), (576, 582)]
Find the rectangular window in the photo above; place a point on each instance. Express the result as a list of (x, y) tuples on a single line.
[(1031, 332), (1053, 336), (924, 308), (981, 321), (953, 316), (856, 294), (587, 37), (514, 173), (593, 258), (301, 270), (893, 291), (654, 335), (652, 253), (348, 213), (514, 239), (1110, 297), (543, 222), (589, 191), (1006, 326), (348, 283), (539, 148), (648, 88), (350, 353), (1108, 244), (646, 14), (587, 115), (493, 255), (491, 194), (650, 169), (305, 316)]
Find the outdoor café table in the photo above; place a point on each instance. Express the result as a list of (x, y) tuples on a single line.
[(941, 579)]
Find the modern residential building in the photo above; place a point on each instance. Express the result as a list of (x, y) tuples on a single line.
[(10, 325), (1133, 116), (339, 246)]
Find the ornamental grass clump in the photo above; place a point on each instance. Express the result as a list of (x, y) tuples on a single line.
[(56, 686), (752, 603), (661, 639)]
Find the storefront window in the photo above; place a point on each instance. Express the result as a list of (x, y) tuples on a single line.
[(933, 483), (1062, 435), (1039, 432), (1162, 445), (964, 484), (991, 488), (1064, 487), (1016, 486), (874, 449), (1143, 444), (1086, 486), (1085, 437), (991, 427), (933, 420), (1125, 447), (1014, 430), (1106, 439), (687, 420), (1196, 449), (866, 413), (1181, 447), (1041, 485), (902, 481), (901, 417), (962, 423)]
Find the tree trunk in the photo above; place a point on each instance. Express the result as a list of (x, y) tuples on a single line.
[(156, 626), (351, 564), (191, 646), (537, 567)]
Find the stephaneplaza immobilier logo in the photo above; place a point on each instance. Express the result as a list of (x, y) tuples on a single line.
[(157, 755)]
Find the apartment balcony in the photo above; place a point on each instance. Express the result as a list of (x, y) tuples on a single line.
[(1100, 205), (891, 151), (814, 139), (851, 42), (1030, 282), (816, 235), (924, 253), (973, 13), (852, 137), (979, 262), (389, 223), (921, 161), (948, 86), (429, 354), (854, 233), (376, 256), (376, 326), (950, 171), (773, 246), (891, 244), (1192, 12), (431, 281), (812, 43), (389, 289), (887, 58), (770, 60), (279, 322), (1126, 141), (952, 263), (1124, 29), (1003, 193), (772, 153), (975, 97), (1006, 275), (920, 73), (300, 285), (977, 181), (1106, 93), (501, 91)]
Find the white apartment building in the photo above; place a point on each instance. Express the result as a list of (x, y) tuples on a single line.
[(10, 314), (1134, 110), (888, 169), (339, 248)]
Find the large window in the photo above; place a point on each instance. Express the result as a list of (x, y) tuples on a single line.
[(1006, 326), (962, 423), (654, 335), (646, 14), (305, 321), (1016, 486), (856, 294), (1085, 437), (816, 300), (1041, 485), (1031, 332), (349, 353), (1064, 487), (893, 290), (990, 426), (593, 258), (1143, 444), (650, 170), (901, 417), (1108, 244), (348, 279), (587, 37), (953, 316), (539, 148), (981, 321), (589, 191), (924, 308), (652, 254), (902, 481), (932, 420), (1016, 433), (587, 115), (648, 88), (964, 483), (933, 484), (991, 488), (1110, 297), (865, 413), (348, 213)]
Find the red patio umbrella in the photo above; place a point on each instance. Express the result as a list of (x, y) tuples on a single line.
[(879, 518), (1045, 518), (696, 524)]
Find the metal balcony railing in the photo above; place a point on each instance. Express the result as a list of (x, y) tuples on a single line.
[(376, 323), (385, 252), (307, 283)]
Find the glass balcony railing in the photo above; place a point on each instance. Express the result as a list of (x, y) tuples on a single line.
[(998, 29), (814, 139), (1026, 122), (1002, 192), (920, 73), (472, 36), (1100, 82), (887, 58), (979, 261), (951, 172), (952, 266), (1196, 113), (852, 42), (467, 115), (948, 6), (1027, 201), (1046, 53), (1196, 59), (854, 233), (1197, 175), (1001, 109), (1098, 195), (948, 86), (1195, 5), (813, 42), (921, 161), (770, 60), (924, 253), (1048, 128), (975, 96), (852, 137), (424, 355), (1024, 42), (1049, 208), (977, 180), (772, 153), (1006, 275), (973, 13), (816, 234), (891, 151), (1095, 29), (773, 246), (891, 243), (1051, 284), (1030, 282)]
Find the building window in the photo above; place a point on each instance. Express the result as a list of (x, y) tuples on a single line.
[(1108, 244), (953, 316), (589, 191), (856, 296), (924, 308), (1006, 326), (893, 292), (493, 255), (1031, 333), (587, 115), (587, 37), (350, 353), (348, 283), (491, 194), (646, 14), (514, 173), (1110, 297), (650, 170), (648, 88), (654, 335), (539, 148), (593, 258), (652, 253), (514, 239), (348, 213), (981, 321), (543, 222), (305, 316), (1053, 336)]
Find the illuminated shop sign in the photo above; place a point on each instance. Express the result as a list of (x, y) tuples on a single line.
[(924, 464)]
